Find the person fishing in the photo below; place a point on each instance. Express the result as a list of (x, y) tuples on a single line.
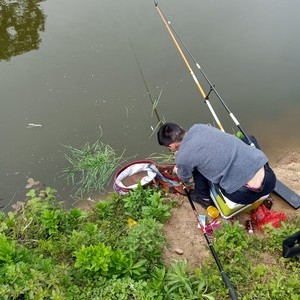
[(210, 155)]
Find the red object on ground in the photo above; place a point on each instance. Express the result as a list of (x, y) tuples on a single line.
[(262, 216)]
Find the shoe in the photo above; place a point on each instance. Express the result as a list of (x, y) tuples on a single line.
[(204, 202)]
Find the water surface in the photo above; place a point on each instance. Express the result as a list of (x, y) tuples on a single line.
[(69, 66)]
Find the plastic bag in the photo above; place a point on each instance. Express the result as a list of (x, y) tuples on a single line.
[(262, 216)]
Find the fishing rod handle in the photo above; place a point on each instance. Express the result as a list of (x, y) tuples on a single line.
[(229, 286), (211, 247)]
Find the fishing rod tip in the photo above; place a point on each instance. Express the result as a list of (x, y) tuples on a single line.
[(155, 3)]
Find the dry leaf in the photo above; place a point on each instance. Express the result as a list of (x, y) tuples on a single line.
[(31, 183)]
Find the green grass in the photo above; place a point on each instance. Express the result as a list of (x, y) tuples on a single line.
[(163, 158), (91, 167)]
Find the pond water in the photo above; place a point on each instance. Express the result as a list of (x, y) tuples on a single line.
[(68, 71)]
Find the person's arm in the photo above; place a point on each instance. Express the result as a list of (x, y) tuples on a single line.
[(184, 173), (175, 170)]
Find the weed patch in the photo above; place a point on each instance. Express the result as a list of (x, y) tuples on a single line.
[(114, 252)]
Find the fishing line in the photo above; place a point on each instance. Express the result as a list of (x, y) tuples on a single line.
[(154, 103)]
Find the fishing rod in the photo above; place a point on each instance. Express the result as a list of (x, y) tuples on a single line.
[(212, 87), (281, 189), (204, 96), (174, 33), (211, 247)]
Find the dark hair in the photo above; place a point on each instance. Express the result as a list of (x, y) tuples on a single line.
[(169, 133)]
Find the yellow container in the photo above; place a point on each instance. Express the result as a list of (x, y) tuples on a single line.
[(213, 212)]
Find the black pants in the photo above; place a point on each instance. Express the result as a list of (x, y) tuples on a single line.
[(246, 195)]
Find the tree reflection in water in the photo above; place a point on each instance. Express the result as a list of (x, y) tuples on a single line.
[(21, 22)]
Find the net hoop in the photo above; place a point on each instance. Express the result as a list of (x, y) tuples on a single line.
[(132, 169)]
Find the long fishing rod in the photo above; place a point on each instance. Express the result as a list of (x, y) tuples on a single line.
[(211, 247), (212, 87), (204, 96)]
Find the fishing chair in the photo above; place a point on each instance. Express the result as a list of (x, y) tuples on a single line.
[(228, 208)]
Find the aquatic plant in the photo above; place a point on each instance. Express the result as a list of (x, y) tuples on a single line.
[(91, 167), (162, 157)]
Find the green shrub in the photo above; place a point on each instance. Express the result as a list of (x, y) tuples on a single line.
[(7, 250), (101, 260), (94, 258), (124, 288), (156, 209), (182, 283), (144, 241), (275, 236), (28, 276), (146, 203), (105, 210)]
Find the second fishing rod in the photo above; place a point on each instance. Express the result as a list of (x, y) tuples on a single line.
[(177, 39)]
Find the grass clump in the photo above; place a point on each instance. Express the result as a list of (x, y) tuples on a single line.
[(91, 167)]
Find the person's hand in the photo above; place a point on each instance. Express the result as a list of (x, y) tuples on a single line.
[(175, 170)]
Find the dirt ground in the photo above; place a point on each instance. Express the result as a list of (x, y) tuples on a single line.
[(183, 234)]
